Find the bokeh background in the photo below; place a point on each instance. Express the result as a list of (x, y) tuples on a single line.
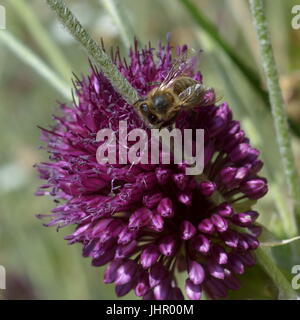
[(39, 263)]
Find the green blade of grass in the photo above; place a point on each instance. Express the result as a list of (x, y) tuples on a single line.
[(26, 55), (40, 35)]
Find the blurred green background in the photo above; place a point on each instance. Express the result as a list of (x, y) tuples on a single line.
[(39, 263)]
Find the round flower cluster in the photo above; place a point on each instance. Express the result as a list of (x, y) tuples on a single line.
[(150, 222)]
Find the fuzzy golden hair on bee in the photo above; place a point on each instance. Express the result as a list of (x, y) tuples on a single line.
[(176, 92)]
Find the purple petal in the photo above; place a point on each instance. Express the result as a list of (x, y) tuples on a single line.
[(193, 291)]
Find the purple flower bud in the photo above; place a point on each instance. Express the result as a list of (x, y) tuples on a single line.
[(252, 241), (245, 219), (219, 255), (236, 265), (221, 117), (176, 294), (162, 290), (126, 236), (201, 244), (230, 238), (165, 208), (162, 175), (125, 272), (220, 223), (157, 274), (112, 230), (139, 218), (187, 230), (255, 230), (146, 181), (207, 188), (149, 256), (232, 282), (180, 180), (83, 228), (122, 290), (126, 250), (157, 222), (247, 259), (224, 210), (167, 245), (243, 244), (142, 286), (227, 175), (193, 291), (196, 272), (216, 270), (255, 188), (216, 288), (100, 226), (151, 201), (111, 271), (185, 198), (242, 152), (104, 258), (206, 226)]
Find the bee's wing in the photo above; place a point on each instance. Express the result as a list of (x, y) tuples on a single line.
[(184, 62), (192, 95)]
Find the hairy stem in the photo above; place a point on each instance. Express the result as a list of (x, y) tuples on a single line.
[(277, 105), (104, 62), (35, 62)]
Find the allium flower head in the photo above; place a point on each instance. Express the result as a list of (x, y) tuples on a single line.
[(149, 222)]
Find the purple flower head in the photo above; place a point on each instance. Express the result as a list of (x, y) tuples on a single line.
[(149, 222)]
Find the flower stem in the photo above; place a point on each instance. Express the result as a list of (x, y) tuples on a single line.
[(283, 285), (50, 50), (35, 62), (277, 105), (109, 69)]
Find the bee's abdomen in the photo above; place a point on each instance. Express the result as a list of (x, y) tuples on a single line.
[(182, 83)]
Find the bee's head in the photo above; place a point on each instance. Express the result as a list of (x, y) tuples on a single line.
[(156, 108), (146, 111), (162, 101)]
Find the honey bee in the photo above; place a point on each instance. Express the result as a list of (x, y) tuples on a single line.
[(177, 92)]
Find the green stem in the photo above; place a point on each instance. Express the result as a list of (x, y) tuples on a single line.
[(109, 69), (123, 26), (277, 105), (284, 286), (50, 50), (35, 62)]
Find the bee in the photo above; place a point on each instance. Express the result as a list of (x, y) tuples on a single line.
[(176, 92)]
